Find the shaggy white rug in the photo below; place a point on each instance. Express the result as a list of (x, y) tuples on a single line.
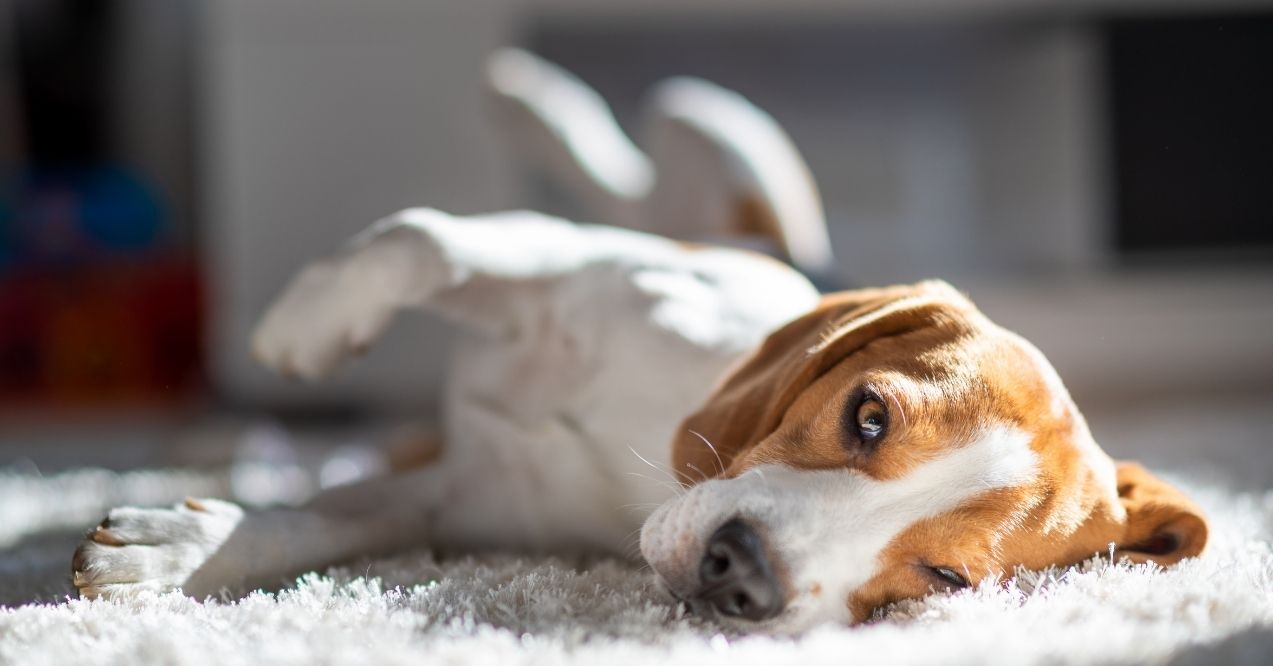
[(509, 610)]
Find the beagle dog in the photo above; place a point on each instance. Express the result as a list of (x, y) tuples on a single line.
[(788, 458)]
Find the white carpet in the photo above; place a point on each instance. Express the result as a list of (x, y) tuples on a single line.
[(509, 610)]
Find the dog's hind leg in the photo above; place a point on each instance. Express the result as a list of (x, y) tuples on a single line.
[(715, 167)]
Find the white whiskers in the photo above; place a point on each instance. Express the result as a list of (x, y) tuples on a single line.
[(675, 488), (719, 463), (679, 486), (897, 403), (701, 473)]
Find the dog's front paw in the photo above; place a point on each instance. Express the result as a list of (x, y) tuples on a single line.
[(151, 549), (337, 307), (333, 309)]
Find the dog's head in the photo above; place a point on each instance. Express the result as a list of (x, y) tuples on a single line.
[(891, 443)]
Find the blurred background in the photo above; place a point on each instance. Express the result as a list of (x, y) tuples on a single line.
[(1097, 174)]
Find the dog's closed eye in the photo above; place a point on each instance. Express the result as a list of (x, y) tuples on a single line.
[(947, 577)]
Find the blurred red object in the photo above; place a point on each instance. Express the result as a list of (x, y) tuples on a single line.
[(111, 333)]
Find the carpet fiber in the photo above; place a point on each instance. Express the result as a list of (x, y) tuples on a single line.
[(512, 610)]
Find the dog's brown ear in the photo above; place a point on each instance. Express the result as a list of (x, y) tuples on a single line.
[(1163, 526), (751, 401)]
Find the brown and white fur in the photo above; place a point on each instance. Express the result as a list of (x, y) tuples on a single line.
[(591, 354)]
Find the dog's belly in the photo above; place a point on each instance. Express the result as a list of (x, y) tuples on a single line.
[(558, 450), (559, 434)]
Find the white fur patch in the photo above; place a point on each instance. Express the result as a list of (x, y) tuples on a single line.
[(828, 527)]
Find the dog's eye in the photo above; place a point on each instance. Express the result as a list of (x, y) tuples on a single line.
[(871, 418), (949, 576), (864, 420)]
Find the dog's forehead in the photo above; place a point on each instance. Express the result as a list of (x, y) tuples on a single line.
[(982, 378), (999, 373), (939, 390)]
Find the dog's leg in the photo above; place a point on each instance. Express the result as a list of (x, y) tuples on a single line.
[(565, 128), (206, 545), (483, 272), (716, 167)]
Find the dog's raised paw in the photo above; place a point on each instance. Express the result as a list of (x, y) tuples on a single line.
[(332, 310), (135, 550)]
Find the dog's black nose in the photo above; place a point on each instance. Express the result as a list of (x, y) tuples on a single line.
[(736, 577)]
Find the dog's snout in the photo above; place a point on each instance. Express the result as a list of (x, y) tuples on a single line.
[(735, 576)]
